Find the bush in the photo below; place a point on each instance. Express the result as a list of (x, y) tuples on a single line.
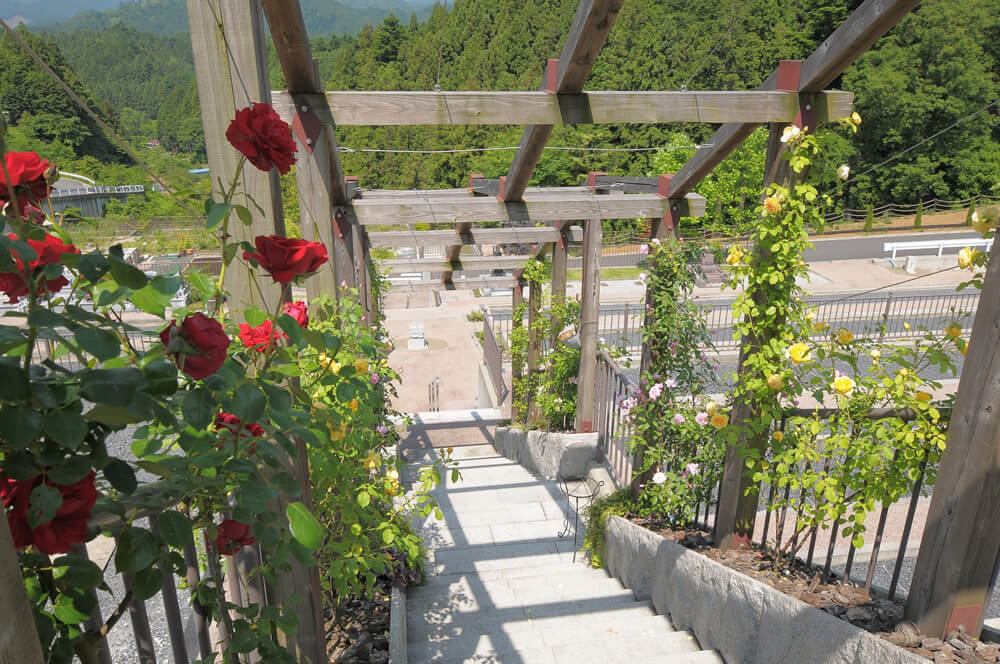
[(619, 503), (869, 219), (918, 219)]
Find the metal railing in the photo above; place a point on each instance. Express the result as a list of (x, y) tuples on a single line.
[(614, 429), (493, 357), (434, 395)]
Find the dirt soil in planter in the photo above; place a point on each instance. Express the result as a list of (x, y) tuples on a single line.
[(360, 634), (846, 601)]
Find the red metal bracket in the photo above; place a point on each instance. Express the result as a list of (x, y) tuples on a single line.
[(341, 227), (663, 186), (592, 179), (788, 79), (551, 76), (586, 427), (964, 615), (306, 126), (502, 189), (561, 241), (472, 181)]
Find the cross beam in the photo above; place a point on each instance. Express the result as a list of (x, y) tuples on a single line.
[(586, 38), (473, 236), (853, 37)]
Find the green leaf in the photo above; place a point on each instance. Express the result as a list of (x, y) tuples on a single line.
[(116, 387), (388, 536), (364, 499), (199, 408), (74, 606), (13, 382), (279, 398), (66, 427), (127, 275), (244, 639), (44, 502), (71, 470), (174, 528), (292, 328), (146, 446), (304, 526), (102, 344), (93, 266), (161, 376), (113, 415), (76, 572), (146, 583), (255, 317), (244, 214), (121, 476), (216, 213), (19, 425), (203, 284), (255, 497), (249, 403), (137, 549)]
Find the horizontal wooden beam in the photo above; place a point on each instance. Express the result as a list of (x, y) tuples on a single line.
[(480, 186), (417, 208), (476, 236), (430, 285), (463, 264), (363, 108)]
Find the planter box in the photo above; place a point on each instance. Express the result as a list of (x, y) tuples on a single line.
[(747, 621), (548, 454), (397, 626)]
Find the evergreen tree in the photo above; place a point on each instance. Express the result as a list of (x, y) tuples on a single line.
[(869, 218), (918, 219)]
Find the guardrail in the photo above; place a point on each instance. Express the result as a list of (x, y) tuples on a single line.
[(940, 245), (615, 431), (493, 357)]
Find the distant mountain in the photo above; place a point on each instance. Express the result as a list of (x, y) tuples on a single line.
[(33, 11), (169, 17)]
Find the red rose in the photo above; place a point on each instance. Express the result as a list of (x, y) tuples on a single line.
[(28, 179), (260, 338), (285, 258), (50, 250), (66, 528), (234, 424), (200, 341), (260, 134), (299, 311), (232, 536)]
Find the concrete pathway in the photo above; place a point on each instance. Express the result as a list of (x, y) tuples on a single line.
[(502, 587)]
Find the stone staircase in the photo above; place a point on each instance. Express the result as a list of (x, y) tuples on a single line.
[(502, 587)]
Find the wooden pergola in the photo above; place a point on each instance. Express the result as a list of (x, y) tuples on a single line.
[(230, 59)]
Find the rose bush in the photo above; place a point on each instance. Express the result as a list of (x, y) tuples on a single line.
[(286, 258), (263, 138)]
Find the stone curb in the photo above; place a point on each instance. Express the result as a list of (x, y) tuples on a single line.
[(746, 621), (546, 453), (397, 626)]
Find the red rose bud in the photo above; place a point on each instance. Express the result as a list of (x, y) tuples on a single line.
[(286, 258), (260, 134), (234, 424), (260, 338), (233, 535), (50, 250), (198, 345), (299, 311), (28, 178), (67, 527)]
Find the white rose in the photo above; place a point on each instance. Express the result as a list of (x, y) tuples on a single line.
[(844, 172)]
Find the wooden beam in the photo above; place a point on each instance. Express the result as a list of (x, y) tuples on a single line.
[(404, 265), (959, 550), (418, 208), (431, 285), (590, 308), (853, 37), (531, 192), (587, 36), (227, 39), (473, 236), (18, 638), (364, 108)]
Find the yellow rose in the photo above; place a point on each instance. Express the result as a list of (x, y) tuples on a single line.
[(719, 420), (772, 204), (954, 330), (775, 382), (845, 336), (904, 372), (876, 354), (392, 474), (820, 326), (353, 405), (811, 314), (735, 255), (843, 385), (778, 436), (711, 408), (965, 348), (856, 117), (335, 367), (906, 326), (923, 396), (450, 450), (372, 461), (798, 353), (337, 433), (983, 223), (966, 257), (361, 365)]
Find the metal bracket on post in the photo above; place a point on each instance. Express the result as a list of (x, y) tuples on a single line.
[(788, 80), (341, 226), (306, 125), (561, 240), (592, 180), (502, 188), (551, 76), (675, 208)]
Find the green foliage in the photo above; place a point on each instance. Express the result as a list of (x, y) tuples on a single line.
[(968, 215), (619, 503), (869, 219), (918, 219)]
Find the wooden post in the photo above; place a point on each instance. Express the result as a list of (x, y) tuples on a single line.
[(590, 308), (516, 363), (227, 38), (737, 513), (18, 639), (560, 262), (534, 343), (959, 550)]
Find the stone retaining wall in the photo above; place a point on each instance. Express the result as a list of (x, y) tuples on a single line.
[(546, 453), (746, 621)]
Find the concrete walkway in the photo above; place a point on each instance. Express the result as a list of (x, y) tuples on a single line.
[(502, 586)]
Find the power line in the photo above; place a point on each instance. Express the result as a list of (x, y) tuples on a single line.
[(930, 138), (898, 283)]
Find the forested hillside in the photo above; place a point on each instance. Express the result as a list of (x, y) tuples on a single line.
[(939, 66)]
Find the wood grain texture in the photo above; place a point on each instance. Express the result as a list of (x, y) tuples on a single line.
[(590, 308), (480, 236), (586, 37), (464, 263), (19, 642), (854, 36), (408, 209), (431, 285), (961, 541), (363, 108), (291, 43), (228, 43)]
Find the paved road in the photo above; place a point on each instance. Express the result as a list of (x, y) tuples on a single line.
[(870, 246)]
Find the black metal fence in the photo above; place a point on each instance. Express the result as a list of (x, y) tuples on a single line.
[(614, 386)]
